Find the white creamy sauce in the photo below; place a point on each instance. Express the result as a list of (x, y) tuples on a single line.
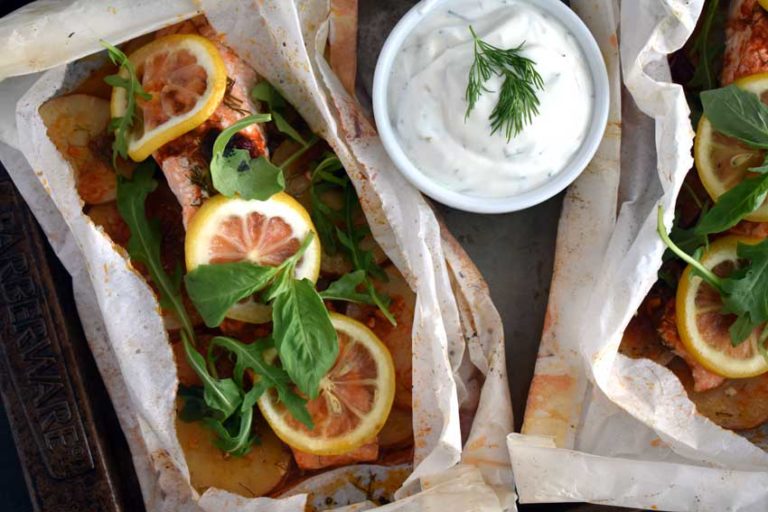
[(427, 103)]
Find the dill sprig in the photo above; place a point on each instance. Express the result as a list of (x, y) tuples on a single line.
[(121, 126), (231, 101), (518, 103)]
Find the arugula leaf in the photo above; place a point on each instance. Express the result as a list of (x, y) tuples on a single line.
[(121, 126), (345, 288), (710, 277), (221, 395), (325, 177), (737, 113), (194, 407), (144, 243), (214, 289), (734, 205), (337, 228), (233, 171), (740, 330), (746, 290), (762, 168), (362, 259), (688, 240), (222, 400), (264, 91), (304, 335), (707, 48), (251, 357)]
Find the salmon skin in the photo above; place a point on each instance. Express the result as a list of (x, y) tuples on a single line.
[(185, 160)]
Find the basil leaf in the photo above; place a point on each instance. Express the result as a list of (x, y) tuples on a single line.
[(234, 172), (304, 335), (737, 113), (734, 205), (263, 91), (345, 288), (214, 289)]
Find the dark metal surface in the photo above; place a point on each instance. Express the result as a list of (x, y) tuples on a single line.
[(73, 453)]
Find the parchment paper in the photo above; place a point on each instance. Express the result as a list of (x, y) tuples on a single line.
[(599, 426), (457, 336)]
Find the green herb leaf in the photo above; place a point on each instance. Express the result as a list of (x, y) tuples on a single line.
[(706, 274), (740, 330), (737, 113), (233, 171), (249, 178), (193, 407), (214, 289), (346, 288), (235, 436), (734, 205), (263, 91), (221, 395), (328, 175), (304, 335), (707, 48), (746, 289), (686, 239), (252, 357), (144, 244), (517, 103), (338, 230), (121, 126)]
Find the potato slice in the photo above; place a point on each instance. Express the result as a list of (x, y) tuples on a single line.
[(77, 126), (737, 404), (398, 430), (254, 474), (398, 339)]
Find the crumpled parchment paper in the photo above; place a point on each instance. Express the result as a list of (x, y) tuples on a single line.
[(599, 426), (457, 334)]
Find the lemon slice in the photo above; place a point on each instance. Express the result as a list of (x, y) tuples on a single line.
[(230, 229), (703, 328), (722, 161), (186, 77), (354, 401), (763, 4)]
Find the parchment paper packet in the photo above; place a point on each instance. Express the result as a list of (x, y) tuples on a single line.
[(459, 369), (599, 426)]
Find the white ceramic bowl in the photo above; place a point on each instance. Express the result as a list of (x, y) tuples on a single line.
[(515, 202)]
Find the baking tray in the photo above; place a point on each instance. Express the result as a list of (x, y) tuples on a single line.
[(78, 460)]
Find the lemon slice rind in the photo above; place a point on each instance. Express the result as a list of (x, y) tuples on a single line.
[(371, 423), (209, 58), (692, 338)]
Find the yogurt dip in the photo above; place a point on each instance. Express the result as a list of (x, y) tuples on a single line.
[(427, 105)]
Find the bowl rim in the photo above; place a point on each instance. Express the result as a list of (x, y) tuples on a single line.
[(553, 186)]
